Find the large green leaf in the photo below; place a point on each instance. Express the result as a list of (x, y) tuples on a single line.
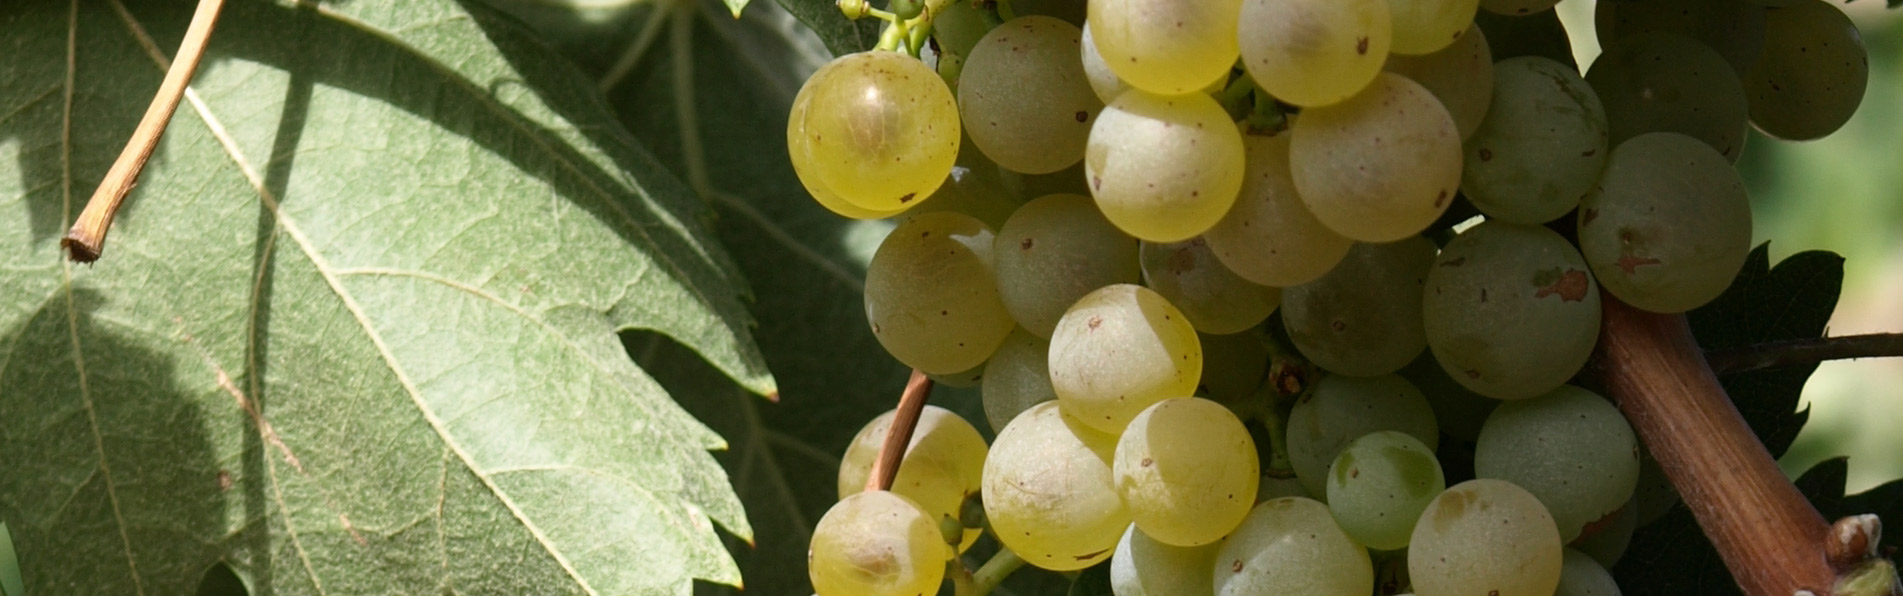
[(355, 332)]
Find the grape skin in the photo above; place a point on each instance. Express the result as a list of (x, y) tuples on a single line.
[(1120, 349), (1025, 98), (930, 298), (1541, 147), (1659, 82), (1379, 485), (1048, 491), (1215, 299), (1813, 72), (1164, 168), (1187, 470), (1269, 237), (1291, 545), (1380, 166), (1314, 52), (1340, 409), (876, 543), (1364, 317), (1570, 448), (1144, 567), (1511, 311), (1166, 46), (1484, 537), (942, 464), (1017, 377), (1428, 26), (1053, 251), (880, 130), (1460, 76), (1666, 256)]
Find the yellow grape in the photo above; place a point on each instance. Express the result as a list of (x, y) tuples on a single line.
[(1314, 52), (1164, 168), (879, 130), (876, 544), (1170, 47), (942, 464)]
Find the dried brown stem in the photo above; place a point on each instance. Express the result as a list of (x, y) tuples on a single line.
[(899, 435), (1769, 536), (87, 238), (1804, 351)]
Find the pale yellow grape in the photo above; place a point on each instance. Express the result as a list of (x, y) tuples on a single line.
[(1166, 46), (1053, 251), (1144, 567), (803, 165), (1269, 237), (1570, 448), (1427, 26), (1666, 256), (1187, 470), (1164, 168), (1025, 98), (975, 188), (942, 465), (930, 298), (1104, 81), (1291, 545), (1381, 166), (1484, 537), (1459, 75), (1541, 147), (1314, 52), (881, 129), (1215, 299), (1120, 349), (1048, 491), (1516, 8), (876, 544), (1017, 377)]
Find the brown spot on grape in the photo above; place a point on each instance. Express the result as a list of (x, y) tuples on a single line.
[(875, 328), (1026, 244), (1455, 263), (1587, 216), (1094, 322), (1630, 264), (1338, 326), (1147, 462), (944, 312), (1589, 153), (1354, 472), (1486, 154), (1441, 201), (1570, 286), (1236, 567), (1472, 374), (1082, 115), (1361, 45)]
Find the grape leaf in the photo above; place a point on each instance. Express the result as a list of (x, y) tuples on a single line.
[(10, 584), (355, 331), (1791, 301), (841, 35), (1765, 303)]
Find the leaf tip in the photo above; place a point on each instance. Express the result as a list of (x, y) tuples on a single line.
[(736, 6)]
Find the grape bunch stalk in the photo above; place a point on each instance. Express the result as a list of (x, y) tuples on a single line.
[(1228, 272)]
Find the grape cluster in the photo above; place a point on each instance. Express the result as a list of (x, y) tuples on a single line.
[(1128, 224)]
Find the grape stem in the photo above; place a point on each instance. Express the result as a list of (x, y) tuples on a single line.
[(1771, 538), (885, 466), (87, 238), (993, 572), (1804, 351)]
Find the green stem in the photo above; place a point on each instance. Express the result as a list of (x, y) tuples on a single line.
[(1267, 117), (1235, 97), (992, 573)]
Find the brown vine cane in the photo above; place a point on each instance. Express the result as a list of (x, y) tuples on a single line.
[(885, 466), (1769, 536)]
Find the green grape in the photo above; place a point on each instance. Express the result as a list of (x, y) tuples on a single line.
[(1024, 96), (1484, 537), (1187, 470), (1536, 34), (1381, 166), (1215, 299), (1144, 567), (930, 297), (876, 543), (803, 165), (1570, 448), (1120, 349), (974, 188), (1164, 168), (1580, 575), (1314, 52), (1606, 540), (1659, 82), (1340, 409), (1511, 310), (1166, 46), (1457, 409), (1812, 74), (880, 130), (1048, 491), (958, 27), (1380, 484), (1517, 7), (1459, 75), (1291, 546), (1053, 251), (1669, 226), (942, 464), (1103, 80), (1017, 377), (1364, 317), (1428, 26), (1234, 365), (1734, 28), (1269, 237), (1541, 147)]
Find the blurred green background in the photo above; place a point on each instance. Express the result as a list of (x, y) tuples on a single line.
[(1843, 194)]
